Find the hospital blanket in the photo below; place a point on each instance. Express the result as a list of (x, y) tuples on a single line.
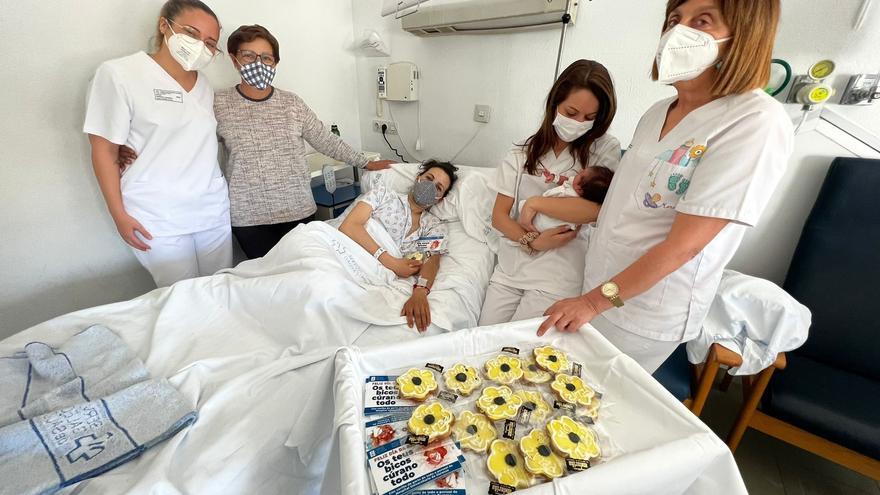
[(63, 447), (39, 379), (249, 348)]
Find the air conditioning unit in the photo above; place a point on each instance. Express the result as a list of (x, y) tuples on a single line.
[(488, 16)]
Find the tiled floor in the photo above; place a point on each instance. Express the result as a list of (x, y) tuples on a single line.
[(772, 467)]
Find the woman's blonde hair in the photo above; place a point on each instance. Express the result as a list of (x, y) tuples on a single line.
[(753, 30)]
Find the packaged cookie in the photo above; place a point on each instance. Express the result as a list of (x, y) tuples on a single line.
[(535, 408), (504, 369), (432, 419), (573, 439), (532, 373), (573, 390), (416, 384), (474, 431), (507, 466), (462, 379), (499, 403), (540, 459), (551, 359)]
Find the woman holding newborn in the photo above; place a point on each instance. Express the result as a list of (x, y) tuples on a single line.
[(535, 269)]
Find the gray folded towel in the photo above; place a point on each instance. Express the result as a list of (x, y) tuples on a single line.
[(54, 450), (91, 364)]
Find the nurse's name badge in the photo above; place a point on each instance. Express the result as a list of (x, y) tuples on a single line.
[(168, 95)]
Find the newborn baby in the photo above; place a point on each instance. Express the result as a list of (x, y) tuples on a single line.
[(594, 183)]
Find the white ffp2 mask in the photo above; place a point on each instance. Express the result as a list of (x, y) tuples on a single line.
[(684, 53), (569, 129), (190, 53)]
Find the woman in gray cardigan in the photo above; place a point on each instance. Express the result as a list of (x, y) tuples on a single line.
[(263, 131)]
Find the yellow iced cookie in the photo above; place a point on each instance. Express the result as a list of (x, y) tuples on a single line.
[(416, 384), (507, 465), (535, 401), (499, 403), (551, 359), (534, 374), (416, 256), (431, 419), (474, 431), (573, 439), (540, 458), (504, 369), (462, 379), (572, 389)]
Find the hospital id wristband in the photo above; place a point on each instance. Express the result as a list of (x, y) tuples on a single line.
[(427, 290), (379, 252)]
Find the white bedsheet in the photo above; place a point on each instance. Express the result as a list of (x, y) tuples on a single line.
[(249, 347)]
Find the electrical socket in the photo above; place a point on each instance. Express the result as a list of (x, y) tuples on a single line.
[(391, 129), (482, 113)]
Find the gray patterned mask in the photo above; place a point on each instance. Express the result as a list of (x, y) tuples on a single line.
[(425, 194)]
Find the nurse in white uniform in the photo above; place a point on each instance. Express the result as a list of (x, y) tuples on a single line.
[(535, 269), (701, 168), (171, 204)]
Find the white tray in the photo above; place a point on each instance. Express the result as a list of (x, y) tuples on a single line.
[(664, 447)]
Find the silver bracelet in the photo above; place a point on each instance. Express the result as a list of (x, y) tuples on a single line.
[(379, 252)]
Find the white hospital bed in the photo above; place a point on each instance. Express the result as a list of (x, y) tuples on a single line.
[(249, 347)]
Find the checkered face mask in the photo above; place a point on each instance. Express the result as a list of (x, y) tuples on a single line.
[(257, 74)]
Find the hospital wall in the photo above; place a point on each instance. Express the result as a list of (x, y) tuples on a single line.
[(513, 72), (60, 250)]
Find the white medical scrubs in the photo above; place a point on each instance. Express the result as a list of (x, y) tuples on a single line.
[(723, 160), (175, 188), (523, 286)]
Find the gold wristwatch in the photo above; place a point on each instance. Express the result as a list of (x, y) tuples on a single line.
[(611, 292)]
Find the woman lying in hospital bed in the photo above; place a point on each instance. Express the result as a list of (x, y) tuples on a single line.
[(400, 231)]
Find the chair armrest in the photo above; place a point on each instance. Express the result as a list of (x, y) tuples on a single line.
[(725, 356), (780, 362)]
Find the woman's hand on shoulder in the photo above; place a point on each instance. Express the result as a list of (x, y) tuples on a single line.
[(553, 238), (379, 165)]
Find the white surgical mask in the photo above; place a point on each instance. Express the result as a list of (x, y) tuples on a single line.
[(190, 53), (569, 129), (684, 53)]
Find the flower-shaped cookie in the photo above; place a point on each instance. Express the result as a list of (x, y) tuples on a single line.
[(507, 465), (416, 384), (551, 359), (572, 438), (572, 389), (462, 379), (592, 409), (535, 401), (499, 403), (504, 369), (540, 458), (474, 431), (431, 419), (534, 374)]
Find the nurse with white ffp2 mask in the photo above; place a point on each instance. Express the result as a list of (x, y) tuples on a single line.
[(701, 169), (171, 204)]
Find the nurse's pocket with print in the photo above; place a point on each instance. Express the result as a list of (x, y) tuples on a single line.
[(668, 178)]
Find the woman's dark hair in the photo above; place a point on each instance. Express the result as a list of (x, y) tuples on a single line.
[(246, 34), (596, 187), (174, 8), (582, 74), (447, 167)]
